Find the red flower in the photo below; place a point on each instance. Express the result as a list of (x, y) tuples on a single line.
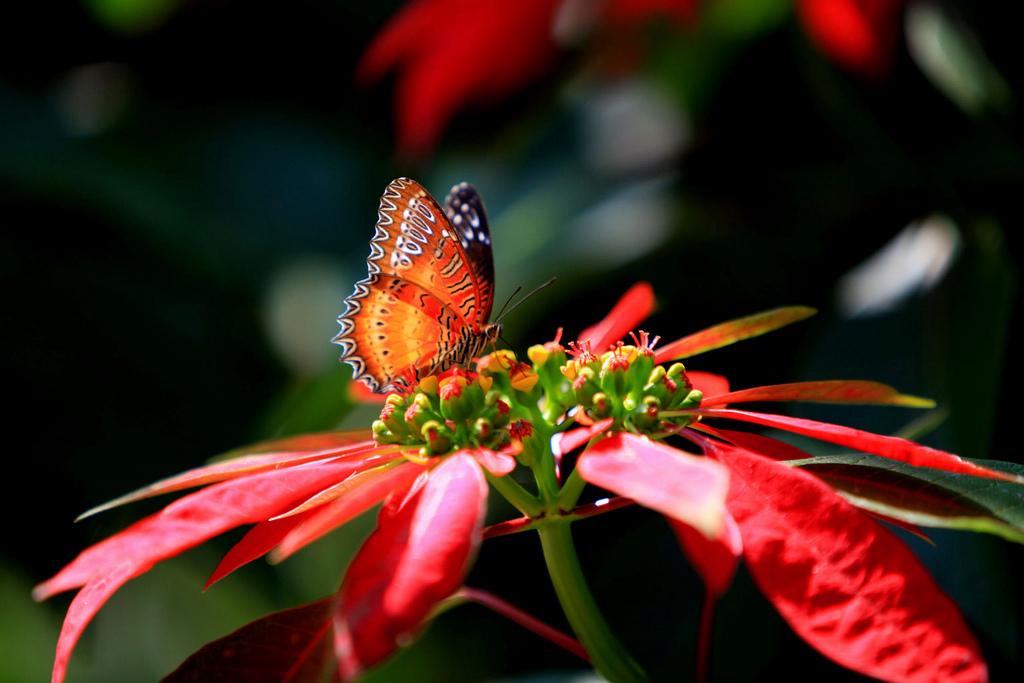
[(294, 498), (460, 54), (451, 54), (859, 35), (842, 581), (454, 55)]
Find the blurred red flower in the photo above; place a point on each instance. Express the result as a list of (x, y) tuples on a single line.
[(859, 35), (451, 55)]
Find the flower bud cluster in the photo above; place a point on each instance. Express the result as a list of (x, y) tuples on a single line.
[(626, 385), (458, 410)]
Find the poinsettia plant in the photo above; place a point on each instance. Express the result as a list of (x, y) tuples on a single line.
[(628, 418)]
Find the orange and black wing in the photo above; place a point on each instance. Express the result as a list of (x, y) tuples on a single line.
[(422, 300)]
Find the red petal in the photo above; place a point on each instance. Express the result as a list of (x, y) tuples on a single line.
[(708, 383), (361, 393), (731, 332), (498, 464), (376, 479), (418, 555), (844, 583), (859, 35), (885, 446), (451, 53), (715, 561), (259, 541), (686, 487), (238, 467), (292, 646), (330, 516), (634, 306), (183, 524), (567, 442), (828, 391), (762, 445), (316, 441)]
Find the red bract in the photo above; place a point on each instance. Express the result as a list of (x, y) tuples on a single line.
[(293, 498), (845, 584), (451, 54), (859, 35), (417, 556)]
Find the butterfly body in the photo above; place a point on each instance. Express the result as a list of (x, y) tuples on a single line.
[(425, 303)]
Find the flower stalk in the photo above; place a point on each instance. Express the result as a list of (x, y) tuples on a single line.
[(608, 656)]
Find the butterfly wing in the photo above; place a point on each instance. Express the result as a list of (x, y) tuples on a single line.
[(422, 304), (465, 210)]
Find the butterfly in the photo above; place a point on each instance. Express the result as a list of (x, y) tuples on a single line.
[(425, 304)]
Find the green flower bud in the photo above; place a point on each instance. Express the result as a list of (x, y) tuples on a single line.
[(438, 437)]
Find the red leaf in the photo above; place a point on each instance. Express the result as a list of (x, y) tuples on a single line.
[(292, 646), (418, 555), (498, 464), (885, 446), (361, 393), (452, 53), (732, 331), (762, 445), (859, 35), (708, 383), (844, 583), (259, 541), (375, 478), (683, 486), (185, 523), (330, 516), (315, 441), (828, 391), (567, 442), (233, 468), (634, 306)]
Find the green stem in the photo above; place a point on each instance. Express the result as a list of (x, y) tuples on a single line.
[(609, 657), (571, 491), (523, 500), (544, 469)]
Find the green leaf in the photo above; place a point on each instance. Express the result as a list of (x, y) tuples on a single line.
[(736, 330), (925, 496)]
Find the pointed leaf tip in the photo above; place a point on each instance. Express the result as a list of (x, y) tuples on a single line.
[(732, 331), (631, 310), (293, 646), (847, 586)]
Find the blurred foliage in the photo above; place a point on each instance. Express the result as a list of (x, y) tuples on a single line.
[(186, 195)]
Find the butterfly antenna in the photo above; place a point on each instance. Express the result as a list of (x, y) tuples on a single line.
[(502, 313)]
